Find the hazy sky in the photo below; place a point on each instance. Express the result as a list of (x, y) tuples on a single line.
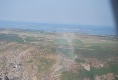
[(81, 12)]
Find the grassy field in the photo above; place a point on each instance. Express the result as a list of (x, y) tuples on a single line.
[(61, 41), (69, 75), (10, 38), (66, 52), (96, 50)]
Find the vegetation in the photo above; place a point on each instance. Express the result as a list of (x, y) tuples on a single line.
[(43, 52), (30, 61), (96, 52), (80, 61), (78, 42), (31, 39), (69, 75), (44, 64), (67, 52), (114, 67), (61, 41), (10, 38)]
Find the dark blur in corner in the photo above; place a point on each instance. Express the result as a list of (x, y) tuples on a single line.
[(115, 11)]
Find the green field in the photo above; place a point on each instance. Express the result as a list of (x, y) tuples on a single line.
[(66, 52), (61, 41), (10, 38)]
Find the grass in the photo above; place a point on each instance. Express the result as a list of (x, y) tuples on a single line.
[(11, 38), (69, 75), (30, 61), (77, 42), (114, 67), (105, 44), (79, 61), (61, 41), (31, 39), (96, 52), (66, 52), (45, 64)]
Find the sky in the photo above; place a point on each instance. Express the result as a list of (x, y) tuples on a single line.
[(79, 12)]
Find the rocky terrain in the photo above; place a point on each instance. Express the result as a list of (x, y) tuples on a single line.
[(38, 55)]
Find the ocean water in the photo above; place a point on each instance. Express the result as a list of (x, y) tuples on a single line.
[(95, 30)]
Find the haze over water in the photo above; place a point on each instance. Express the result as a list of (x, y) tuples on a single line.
[(92, 16), (59, 27)]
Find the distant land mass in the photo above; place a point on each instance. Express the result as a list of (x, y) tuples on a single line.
[(45, 55), (94, 30)]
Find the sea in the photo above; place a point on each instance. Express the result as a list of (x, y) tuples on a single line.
[(83, 29)]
